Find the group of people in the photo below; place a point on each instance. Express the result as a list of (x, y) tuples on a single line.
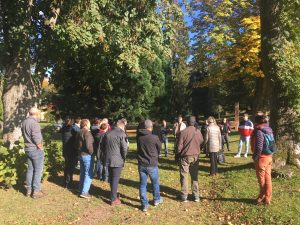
[(109, 145)]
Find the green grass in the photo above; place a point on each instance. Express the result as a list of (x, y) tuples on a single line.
[(226, 199)]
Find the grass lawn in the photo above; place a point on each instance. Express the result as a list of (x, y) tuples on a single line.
[(226, 199)]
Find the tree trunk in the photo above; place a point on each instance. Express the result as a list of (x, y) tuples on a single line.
[(19, 92), (284, 117)]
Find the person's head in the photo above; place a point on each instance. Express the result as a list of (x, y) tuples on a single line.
[(85, 124), (77, 120), (105, 120), (206, 122), (148, 125), (68, 121), (141, 119), (124, 120), (211, 120), (179, 119), (224, 120), (245, 117), (261, 118), (164, 123), (34, 112), (191, 121), (104, 126), (121, 124)]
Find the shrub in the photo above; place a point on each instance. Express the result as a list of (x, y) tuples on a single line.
[(13, 162)]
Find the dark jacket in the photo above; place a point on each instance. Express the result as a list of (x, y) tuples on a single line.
[(189, 142), (224, 128), (115, 147), (98, 146), (85, 142), (164, 132), (149, 147), (156, 131), (32, 135), (66, 137)]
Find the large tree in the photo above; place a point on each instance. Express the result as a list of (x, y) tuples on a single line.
[(281, 65)]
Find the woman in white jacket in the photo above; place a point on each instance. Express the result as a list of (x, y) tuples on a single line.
[(213, 140)]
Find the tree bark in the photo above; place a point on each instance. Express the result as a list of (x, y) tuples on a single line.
[(284, 114), (19, 91)]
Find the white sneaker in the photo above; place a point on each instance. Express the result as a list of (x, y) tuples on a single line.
[(237, 156), (245, 155)]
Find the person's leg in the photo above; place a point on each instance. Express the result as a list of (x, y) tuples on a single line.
[(215, 162), (82, 174), (268, 180), (184, 172), (154, 177), (227, 141), (194, 167), (260, 173), (38, 163), (247, 141), (143, 186), (106, 175), (166, 146), (29, 174), (212, 166), (73, 164), (88, 173), (115, 174), (223, 142), (240, 146)]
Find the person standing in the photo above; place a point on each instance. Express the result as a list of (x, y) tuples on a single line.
[(33, 142), (101, 167), (115, 147), (149, 147), (262, 158), (225, 131), (178, 127), (203, 132), (213, 140), (85, 142), (188, 151), (245, 131), (164, 134), (69, 154)]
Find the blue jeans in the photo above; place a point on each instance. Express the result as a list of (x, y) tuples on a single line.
[(153, 173), (35, 161), (86, 173), (165, 141), (100, 169), (242, 140)]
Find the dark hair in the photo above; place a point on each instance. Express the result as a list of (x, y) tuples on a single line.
[(261, 118), (77, 119)]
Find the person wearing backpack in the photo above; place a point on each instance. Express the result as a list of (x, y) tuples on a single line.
[(263, 147)]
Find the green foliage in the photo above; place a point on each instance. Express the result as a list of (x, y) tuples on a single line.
[(12, 166), (13, 162)]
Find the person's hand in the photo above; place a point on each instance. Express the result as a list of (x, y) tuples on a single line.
[(40, 146)]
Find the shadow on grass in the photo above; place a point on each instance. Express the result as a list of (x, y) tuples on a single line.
[(223, 169), (249, 201), (169, 192)]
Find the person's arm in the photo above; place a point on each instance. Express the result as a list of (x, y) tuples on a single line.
[(206, 135), (220, 140), (89, 141), (123, 146), (180, 144), (201, 138), (36, 136)]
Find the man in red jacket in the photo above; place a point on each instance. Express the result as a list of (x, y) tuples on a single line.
[(245, 131)]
